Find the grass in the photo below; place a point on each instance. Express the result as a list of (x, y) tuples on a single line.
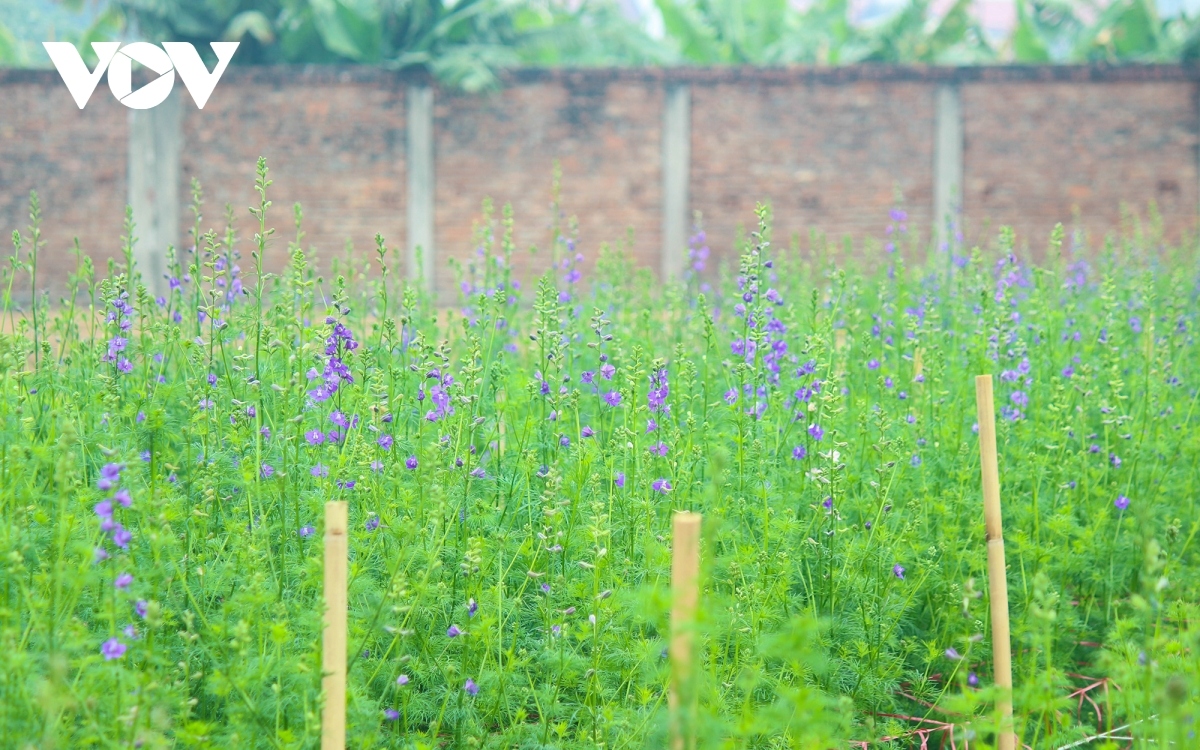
[(512, 466)]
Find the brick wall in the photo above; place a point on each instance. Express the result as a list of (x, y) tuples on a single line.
[(76, 160), (831, 149)]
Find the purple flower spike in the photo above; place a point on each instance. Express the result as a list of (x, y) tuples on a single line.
[(122, 537)]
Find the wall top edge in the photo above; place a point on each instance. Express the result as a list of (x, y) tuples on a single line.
[(281, 75)]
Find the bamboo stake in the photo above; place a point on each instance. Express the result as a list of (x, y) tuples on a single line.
[(333, 645), (997, 577), (685, 593)]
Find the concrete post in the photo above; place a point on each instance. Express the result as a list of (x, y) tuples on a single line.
[(154, 183), (676, 168), (420, 186), (947, 159)]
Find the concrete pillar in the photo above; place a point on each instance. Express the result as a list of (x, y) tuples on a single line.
[(154, 183), (676, 168), (420, 186), (947, 159)]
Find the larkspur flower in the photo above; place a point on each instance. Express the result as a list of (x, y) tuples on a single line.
[(110, 474), (799, 452), (314, 437), (916, 460), (410, 462), (104, 509), (587, 432), (266, 471), (612, 398), (402, 680), (141, 607), (872, 364), (1121, 502), (619, 480), (112, 649), (661, 485), (607, 371), (122, 537), (470, 687), (972, 679), (659, 448), (453, 631), (99, 555), (952, 654), (319, 471), (306, 531), (391, 714), (385, 441), (816, 432), (472, 607), (731, 396), (372, 522), (123, 581), (898, 571)]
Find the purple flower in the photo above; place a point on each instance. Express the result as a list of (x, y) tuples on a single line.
[(306, 531), (122, 537), (972, 679), (141, 608), (827, 503), (122, 497), (125, 366), (872, 364), (619, 480), (314, 437), (564, 441), (373, 523), (1114, 460), (339, 419), (1068, 371), (607, 371), (112, 649), (651, 425), (410, 462), (478, 472), (1121, 502), (659, 448), (661, 485), (472, 607), (391, 714), (470, 686), (1020, 398), (612, 398), (345, 484), (123, 581), (799, 452), (402, 680), (385, 442), (952, 654), (898, 571), (320, 470), (267, 470), (453, 631), (731, 396), (916, 460), (587, 432), (99, 554), (110, 474), (104, 509), (545, 588), (815, 431), (588, 376)]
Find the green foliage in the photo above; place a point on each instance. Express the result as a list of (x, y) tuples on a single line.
[(512, 466)]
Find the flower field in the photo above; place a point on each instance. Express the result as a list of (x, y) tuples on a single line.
[(512, 465)]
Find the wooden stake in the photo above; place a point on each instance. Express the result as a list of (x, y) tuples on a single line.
[(997, 576), (333, 644), (685, 593)]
